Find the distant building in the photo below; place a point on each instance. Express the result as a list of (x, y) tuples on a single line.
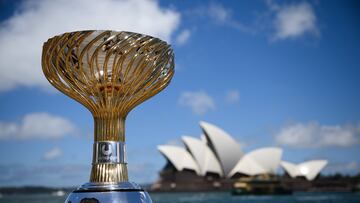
[(180, 158), (216, 160), (226, 149), (203, 155), (258, 162), (308, 169)]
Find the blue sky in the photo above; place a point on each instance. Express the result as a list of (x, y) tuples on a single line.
[(270, 73)]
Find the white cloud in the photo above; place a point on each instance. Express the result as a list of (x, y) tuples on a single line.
[(219, 13), (37, 125), (293, 21), (281, 21), (175, 142), (232, 96), (54, 175), (351, 167), (183, 37), (222, 15), (313, 135), (199, 102), (22, 35), (53, 154)]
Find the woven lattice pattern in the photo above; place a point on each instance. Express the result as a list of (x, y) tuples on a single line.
[(107, 71)]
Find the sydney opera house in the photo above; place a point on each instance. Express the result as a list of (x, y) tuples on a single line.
[(215, 161)]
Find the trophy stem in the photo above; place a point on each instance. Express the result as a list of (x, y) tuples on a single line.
[(109, 173), (109, 128), (109, 164)]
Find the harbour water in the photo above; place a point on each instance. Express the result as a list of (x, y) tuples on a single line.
[(208, 198)]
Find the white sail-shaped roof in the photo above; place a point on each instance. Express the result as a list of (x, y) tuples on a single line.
[(260, 161), (203, 138), (179, 157), (226, 149), (290, 168), (204, 157), (308, 169)]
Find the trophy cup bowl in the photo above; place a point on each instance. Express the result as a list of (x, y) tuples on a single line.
[(110, 73)]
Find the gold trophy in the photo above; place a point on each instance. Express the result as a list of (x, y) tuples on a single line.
[(110, 73)]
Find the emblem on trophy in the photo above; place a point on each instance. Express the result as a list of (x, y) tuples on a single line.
[(110, 73)]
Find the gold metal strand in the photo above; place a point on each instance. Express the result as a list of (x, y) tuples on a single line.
[(109, 73)]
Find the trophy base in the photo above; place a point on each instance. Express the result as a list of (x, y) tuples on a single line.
[(124, 192)]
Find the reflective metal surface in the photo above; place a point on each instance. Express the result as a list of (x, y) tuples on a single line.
[(122, 192), (109, 197), (109, 152), (109, 186)]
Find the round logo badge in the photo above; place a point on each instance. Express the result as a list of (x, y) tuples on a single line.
[(106, 149)]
